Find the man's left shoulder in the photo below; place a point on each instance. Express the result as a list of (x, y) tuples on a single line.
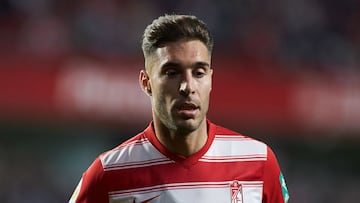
[(224, 133)]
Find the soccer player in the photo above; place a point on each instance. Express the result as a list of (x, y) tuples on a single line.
[(182, 156)]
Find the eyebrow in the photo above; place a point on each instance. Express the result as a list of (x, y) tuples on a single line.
[(202, 64), (175, 64), (170, 64)]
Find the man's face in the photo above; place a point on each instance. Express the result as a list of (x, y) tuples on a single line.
[(180, 79)]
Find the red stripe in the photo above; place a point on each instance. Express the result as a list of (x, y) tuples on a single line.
[(140, 177)]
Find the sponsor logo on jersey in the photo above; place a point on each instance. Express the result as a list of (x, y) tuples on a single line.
[(236, 192)]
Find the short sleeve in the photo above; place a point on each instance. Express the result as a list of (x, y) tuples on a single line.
[(90, 188), (275, 190)]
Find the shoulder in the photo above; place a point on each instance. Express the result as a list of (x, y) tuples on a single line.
[(230, 143), (109, 157), (138, 151), (227, 134), (122, 152)]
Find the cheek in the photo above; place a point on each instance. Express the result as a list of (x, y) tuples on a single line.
[(205, 93), (167, 89), (206, 87), (161, 95)]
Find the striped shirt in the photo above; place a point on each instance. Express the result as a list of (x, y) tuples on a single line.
[(230, 167)]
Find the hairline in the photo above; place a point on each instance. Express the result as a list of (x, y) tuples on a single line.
[(151, 56)]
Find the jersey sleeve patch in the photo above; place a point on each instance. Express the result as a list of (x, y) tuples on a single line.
[(284, 188)]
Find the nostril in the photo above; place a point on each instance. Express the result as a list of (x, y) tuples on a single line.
[(184, 92), (183, 86)]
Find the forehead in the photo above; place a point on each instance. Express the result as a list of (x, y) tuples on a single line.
[(183, 49), (183, 52)]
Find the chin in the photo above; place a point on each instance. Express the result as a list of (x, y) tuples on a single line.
[(188, 125)]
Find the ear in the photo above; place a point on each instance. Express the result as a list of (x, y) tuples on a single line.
[(211, 77), (144, 82)]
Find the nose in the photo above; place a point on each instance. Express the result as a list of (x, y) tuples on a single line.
[(186, 86)]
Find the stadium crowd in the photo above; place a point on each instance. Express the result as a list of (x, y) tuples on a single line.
[(318, 34)]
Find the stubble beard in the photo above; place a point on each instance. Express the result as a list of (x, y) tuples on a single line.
[(176, 124)]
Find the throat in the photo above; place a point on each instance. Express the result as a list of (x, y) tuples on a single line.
[(183, 145), (180, 139)]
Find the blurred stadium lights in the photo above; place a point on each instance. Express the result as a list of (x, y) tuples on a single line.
[(91, 91), (98, 93)]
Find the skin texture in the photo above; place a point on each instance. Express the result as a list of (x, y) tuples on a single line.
[(178, 79)]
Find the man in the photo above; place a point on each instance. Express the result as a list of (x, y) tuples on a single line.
[(182, 156)]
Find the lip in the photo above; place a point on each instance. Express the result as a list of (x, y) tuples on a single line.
[(187, 109)]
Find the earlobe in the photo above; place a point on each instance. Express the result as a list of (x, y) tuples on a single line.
[(144, 82)]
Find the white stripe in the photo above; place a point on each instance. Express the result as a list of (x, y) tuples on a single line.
[(136, 154), (233, 148), (188, 184), (191, 192), (211, 159), (231, 136)]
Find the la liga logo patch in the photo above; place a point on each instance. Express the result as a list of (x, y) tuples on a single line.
[(284, 188)]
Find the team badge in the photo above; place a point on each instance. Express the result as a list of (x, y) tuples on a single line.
[(236, 192)]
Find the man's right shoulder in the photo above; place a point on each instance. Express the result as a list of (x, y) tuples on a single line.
[(137, 151)]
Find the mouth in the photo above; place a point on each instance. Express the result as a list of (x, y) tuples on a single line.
[(188, 109), (188, 106)]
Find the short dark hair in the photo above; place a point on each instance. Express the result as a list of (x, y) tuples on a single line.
[(171, 28)]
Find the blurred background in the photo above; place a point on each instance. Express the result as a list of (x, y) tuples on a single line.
[(286, 72)]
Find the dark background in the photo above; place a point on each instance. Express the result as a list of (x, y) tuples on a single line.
[(286, 72)]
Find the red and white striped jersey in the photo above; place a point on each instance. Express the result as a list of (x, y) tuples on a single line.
[(229, 168)]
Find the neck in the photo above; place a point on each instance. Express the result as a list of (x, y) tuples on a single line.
[(181, 142)]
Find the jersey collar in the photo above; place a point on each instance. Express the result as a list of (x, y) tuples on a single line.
[(186, 162)]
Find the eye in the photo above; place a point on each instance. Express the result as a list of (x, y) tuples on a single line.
[(199, 73), (171, 73)]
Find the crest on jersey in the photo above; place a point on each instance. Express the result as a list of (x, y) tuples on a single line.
[(236, 192)]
